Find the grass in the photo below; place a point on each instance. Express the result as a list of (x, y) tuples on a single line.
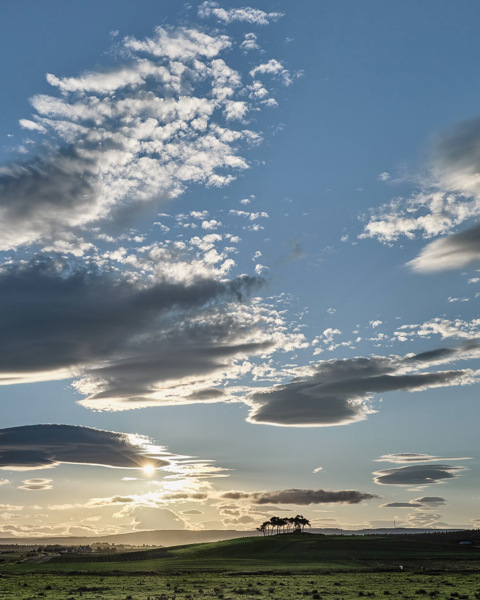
[(286, 567), (283, 552), (235, 586)]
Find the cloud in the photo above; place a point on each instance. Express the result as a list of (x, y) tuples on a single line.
[(432, 500), (301, 497), (425, 501), (422, 475), (36, 484), (119, 140), (145, 518), (424, 519), (449, 195), (43, 446), (414, 457), (250, 42), (272, 67), (456, 251), (446, 328), (245, 14), (401, 505), (317, 470), (338, 392), (170, 338)]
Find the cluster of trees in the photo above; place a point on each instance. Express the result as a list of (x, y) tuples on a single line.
[(284, 525)]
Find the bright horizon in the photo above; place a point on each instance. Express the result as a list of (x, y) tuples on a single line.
[(240, 265)]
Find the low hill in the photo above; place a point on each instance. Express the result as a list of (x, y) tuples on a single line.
[(288, 552), (176, 537)]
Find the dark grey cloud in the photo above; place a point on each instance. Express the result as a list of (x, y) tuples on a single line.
[(339, 390), (458, 149), (123, 338), (424, 502), (417, 474), (301, 497), (43, 446), (47, 193), (53, 318), (432, 500)]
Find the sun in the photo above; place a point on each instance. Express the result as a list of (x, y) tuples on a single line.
[(148, 469)]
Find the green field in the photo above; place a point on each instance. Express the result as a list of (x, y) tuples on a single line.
[(273, 568)]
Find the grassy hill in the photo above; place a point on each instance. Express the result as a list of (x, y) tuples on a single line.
[(294, 553)]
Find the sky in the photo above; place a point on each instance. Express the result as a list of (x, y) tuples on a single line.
[(239, 264)]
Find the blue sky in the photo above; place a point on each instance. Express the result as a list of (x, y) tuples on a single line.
[(238, 246)]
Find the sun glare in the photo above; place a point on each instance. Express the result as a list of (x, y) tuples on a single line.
[(148, 470)]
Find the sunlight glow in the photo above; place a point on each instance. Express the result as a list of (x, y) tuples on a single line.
[(148, 469)]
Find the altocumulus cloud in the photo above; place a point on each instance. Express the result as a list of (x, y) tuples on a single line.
[(44, 446), (246, 14), (128, 136), (338, 391)]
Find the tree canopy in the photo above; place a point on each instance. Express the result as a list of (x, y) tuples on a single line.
[(276, 525)]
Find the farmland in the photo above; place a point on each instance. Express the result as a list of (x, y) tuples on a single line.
[(274, 568)]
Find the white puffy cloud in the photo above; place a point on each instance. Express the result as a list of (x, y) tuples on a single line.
[(250, 42), (272, 67), (245, 14)]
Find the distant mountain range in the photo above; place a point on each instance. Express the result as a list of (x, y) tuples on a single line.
[(177, 537)]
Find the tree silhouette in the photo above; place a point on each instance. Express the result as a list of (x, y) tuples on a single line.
[(276, 524)]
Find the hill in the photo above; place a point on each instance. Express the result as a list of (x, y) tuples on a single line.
[(176, 537), (288, 552)]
